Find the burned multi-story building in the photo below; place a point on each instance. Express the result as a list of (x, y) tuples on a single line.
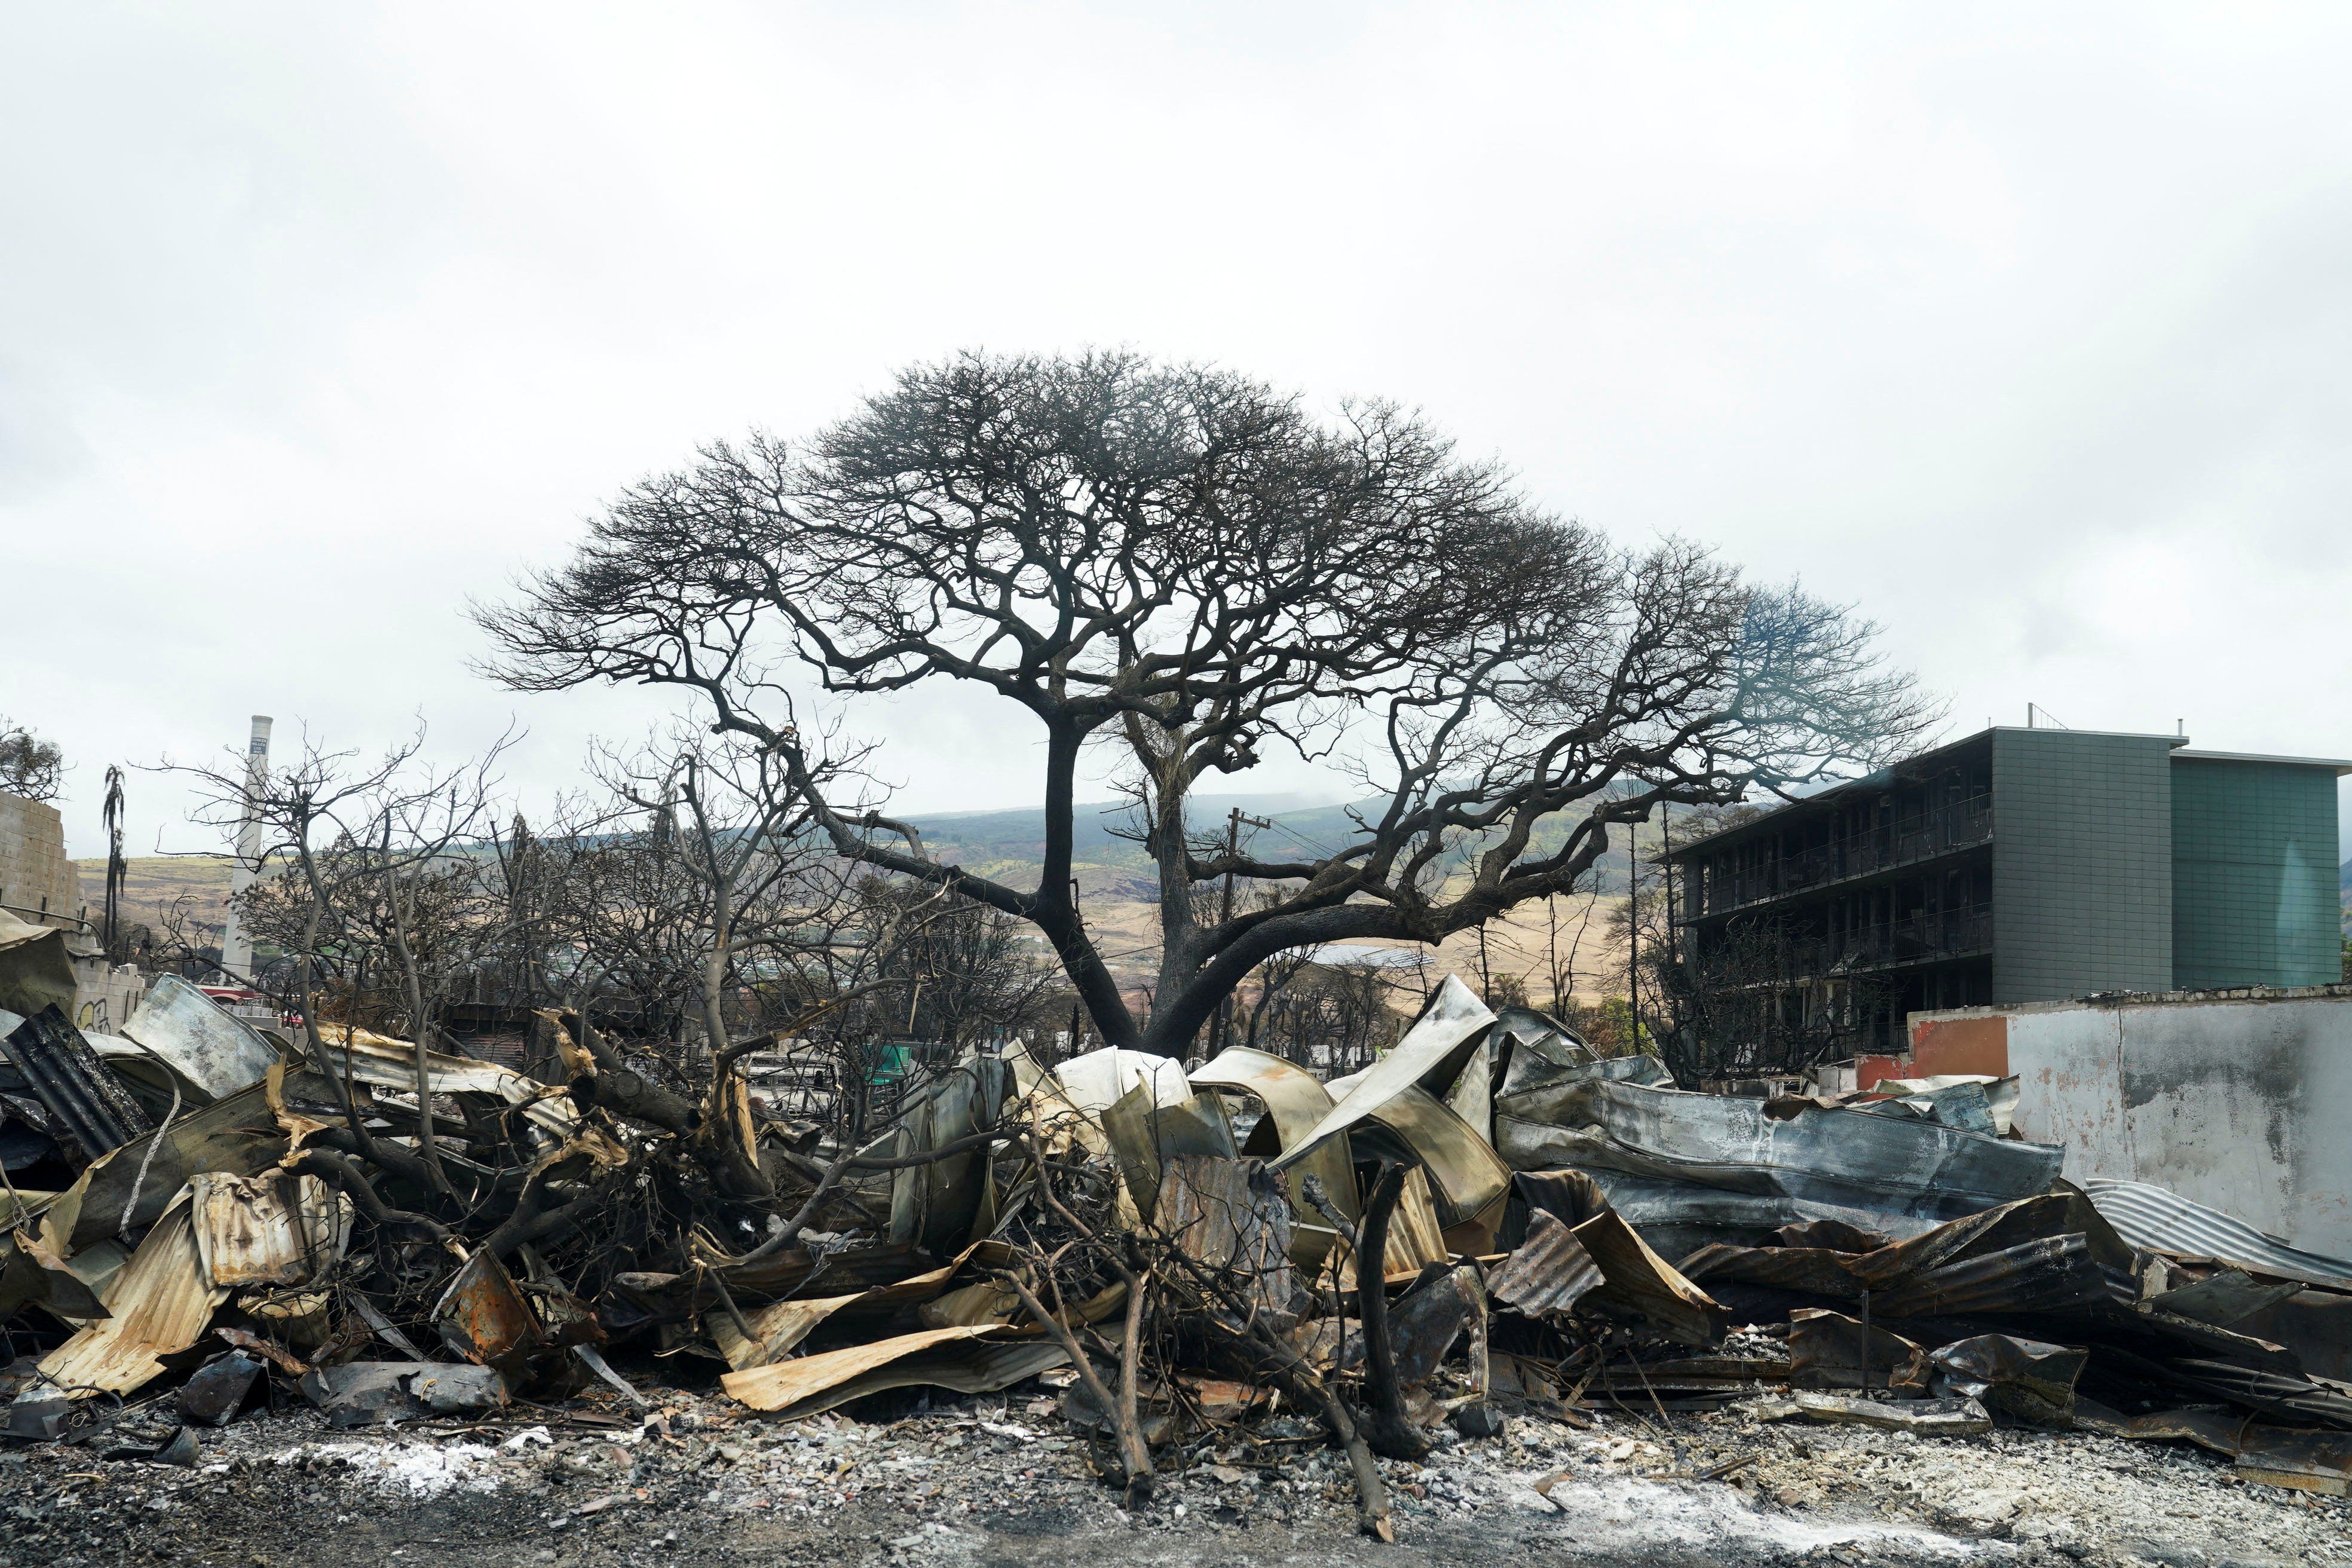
[(2018, 865)]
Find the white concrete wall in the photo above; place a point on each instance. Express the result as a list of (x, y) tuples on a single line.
[(2244, 1105), (105, 995)]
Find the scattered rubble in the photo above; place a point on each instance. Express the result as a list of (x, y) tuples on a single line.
[(1494, 1284)]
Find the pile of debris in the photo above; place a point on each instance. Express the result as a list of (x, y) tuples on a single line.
[(1477, 1227)]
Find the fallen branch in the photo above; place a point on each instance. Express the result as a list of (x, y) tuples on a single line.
[(1135, 1455), (1267, 1354)]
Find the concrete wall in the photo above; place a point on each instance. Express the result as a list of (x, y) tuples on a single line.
[(2082, 864), (2253, 874), (105, 995), (2239, 1103), (33, 864)]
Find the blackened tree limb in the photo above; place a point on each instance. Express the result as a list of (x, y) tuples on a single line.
[(347, 1177), (533, 1221), (1390, 1435), (621, 1089)]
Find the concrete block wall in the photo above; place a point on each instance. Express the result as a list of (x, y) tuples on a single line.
[(105, 995), (2253, 873), (33, 863), (2083, 891)]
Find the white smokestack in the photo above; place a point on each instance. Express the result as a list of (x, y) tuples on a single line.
[(236, 947)]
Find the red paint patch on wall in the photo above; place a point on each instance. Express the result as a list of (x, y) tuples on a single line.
[(1868, 1071), (1940, 1046)]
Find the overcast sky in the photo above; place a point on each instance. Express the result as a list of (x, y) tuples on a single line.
[(2024, 327)]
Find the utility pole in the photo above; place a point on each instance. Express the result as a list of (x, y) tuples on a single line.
[(1633, 936), (1234, 820)]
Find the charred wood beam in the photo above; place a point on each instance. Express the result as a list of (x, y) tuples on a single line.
[(393, 1159), (533, 1221)]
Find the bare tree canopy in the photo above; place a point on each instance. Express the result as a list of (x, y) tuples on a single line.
[(1192, 567), (29, 766)]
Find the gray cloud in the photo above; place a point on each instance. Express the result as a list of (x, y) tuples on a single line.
[(2022, 328)]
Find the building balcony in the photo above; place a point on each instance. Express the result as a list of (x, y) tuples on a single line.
[(1918, 939), (1963, 825), (1940, 937)]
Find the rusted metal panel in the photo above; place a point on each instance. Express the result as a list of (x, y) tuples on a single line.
[(1827, 1350), (777, 1329), (2225, 1297), (2041, 1275), (197, 1038), (935, 1207), (1927, 1417), (483, 1317), (238, 1133), (2163, 1221), (1465, 1175), (783, 1384), (274, 1229), (35, 971), (2308, 1462), (1636, 1280), (1232, 1218), (1294, 1100), (216, 1392), (1145, 1137), (1423, 1325), (2028, 1380), (33, 1273), (1633, 1280), (1429, 1058), (382, 1062), (1846, 1158), (1812, 1270), (1534, 1048), (1833, 1235)]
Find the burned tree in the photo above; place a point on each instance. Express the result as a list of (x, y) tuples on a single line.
[(1751, 1004), (29, 766), (1191, 569)]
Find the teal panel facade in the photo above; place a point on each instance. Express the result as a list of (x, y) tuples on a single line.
[(2083, 888), (2253, 873)]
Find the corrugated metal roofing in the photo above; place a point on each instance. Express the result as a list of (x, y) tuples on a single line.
[(161, 1303), (2162, 1220), (1547, 1273), (88, 1103)]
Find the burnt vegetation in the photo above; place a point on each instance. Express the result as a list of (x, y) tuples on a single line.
[(1195, 572)]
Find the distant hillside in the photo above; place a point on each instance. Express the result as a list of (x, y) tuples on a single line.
[(1010, 845), (1119, 889)]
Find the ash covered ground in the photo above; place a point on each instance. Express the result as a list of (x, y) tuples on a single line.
[(1002, 1480)]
